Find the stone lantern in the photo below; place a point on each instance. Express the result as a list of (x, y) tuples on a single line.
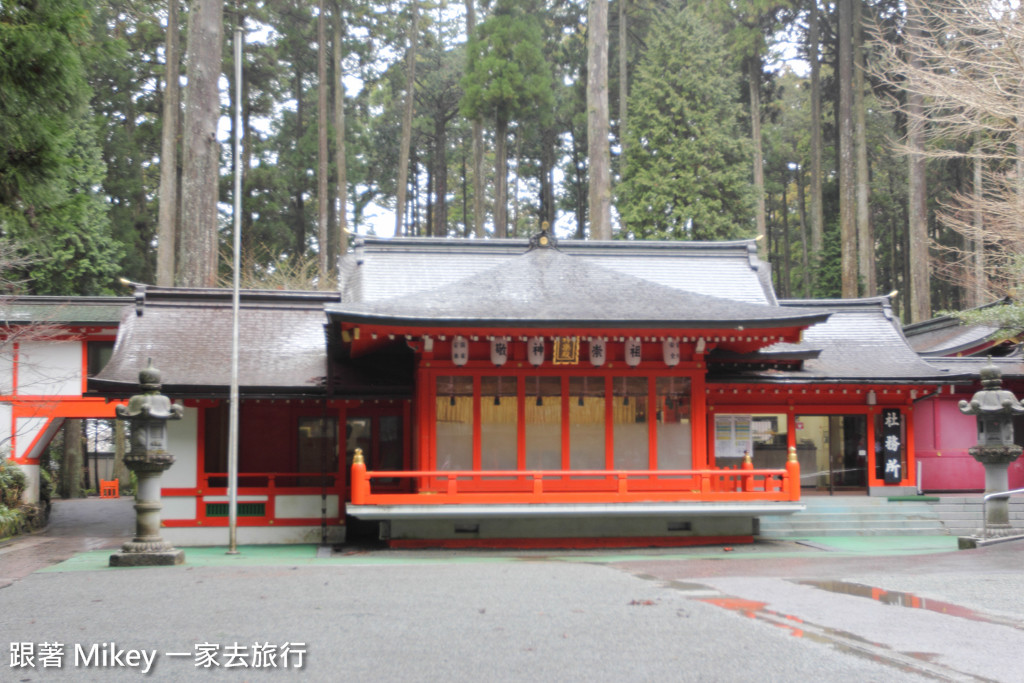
[(147, 414), (995, 408)]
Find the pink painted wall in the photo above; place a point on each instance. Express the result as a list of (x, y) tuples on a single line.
[(942, 436)]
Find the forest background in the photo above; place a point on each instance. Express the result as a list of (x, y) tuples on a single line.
[(824, 127)]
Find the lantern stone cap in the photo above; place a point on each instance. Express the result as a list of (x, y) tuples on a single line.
[(150, 404), (992, 399)]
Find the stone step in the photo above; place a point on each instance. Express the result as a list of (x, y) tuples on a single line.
[(874, 516)]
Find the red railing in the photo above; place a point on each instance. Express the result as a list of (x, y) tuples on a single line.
[(269, 482), (579, 486)]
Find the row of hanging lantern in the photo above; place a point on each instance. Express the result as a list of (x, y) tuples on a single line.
[(598, 351)]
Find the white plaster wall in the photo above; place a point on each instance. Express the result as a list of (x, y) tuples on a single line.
[(28, 428), (6, 429), (297, 507), (6, 375), (249, 535), (182, 443), (50, 369), (31, 492), (183, 507)]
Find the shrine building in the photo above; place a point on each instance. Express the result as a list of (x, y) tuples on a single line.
[(525, 392)]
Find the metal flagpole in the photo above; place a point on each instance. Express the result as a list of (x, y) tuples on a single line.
[(235, 268)]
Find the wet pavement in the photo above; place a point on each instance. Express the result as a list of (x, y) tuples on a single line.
[(823, 609), (75, 526)]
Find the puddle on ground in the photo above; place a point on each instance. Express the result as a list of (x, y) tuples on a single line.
[(901, 599)]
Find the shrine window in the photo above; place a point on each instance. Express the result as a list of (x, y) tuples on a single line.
[(499, 423), (454, 428), (543, 423), (629, 415), (586, 423), (674, 433)]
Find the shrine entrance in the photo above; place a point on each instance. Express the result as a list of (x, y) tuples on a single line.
[(838, 447)]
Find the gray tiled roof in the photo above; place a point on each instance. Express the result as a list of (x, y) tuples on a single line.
[(187, 333), (384, 268), (947, 336), (549, 287), (860, 342), (63, 310), (1011, 367)]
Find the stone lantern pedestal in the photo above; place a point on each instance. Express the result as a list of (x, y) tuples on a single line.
[(147, 415), (994, 408)]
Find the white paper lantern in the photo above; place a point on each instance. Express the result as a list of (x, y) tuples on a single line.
[(670, 351), (460, 350), (634, 350), (535, 351), (598, 351), (499, 350)]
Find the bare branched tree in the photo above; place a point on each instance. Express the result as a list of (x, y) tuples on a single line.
[(13, 329), (965, 62)]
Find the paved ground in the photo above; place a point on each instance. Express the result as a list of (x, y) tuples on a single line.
[(836, 609), (75, 526)]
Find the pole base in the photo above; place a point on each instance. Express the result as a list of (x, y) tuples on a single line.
[(164, 558)]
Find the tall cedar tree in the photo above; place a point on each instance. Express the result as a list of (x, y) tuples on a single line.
[(50, 165), (506, 78), (198, 248), (44, 92), (688, 171)]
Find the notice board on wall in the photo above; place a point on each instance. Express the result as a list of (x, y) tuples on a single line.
[(733, 436)]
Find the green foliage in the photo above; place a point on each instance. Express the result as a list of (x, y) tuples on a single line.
[(126, 73), (506, 73), (44, 93), (12, 484), (828, 282), (46, 487), (68, 237), (51, 173), (12, 521), (688, 171), (1007, 317)]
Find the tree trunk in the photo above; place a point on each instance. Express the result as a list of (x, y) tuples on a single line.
[(805, 260), (515, 183), (478, 144), (865, 241), (339, 241), (410, 85), (817, 208), (917, 228), (787, 248), (440, 179), (500, 178), (547, 181), (976, 290), (299, 196), (847, 168), (597, 121), (197, 257), (623, 83), (167, 222), (754, 85), (322, 165), (120, 472), (71, 470)]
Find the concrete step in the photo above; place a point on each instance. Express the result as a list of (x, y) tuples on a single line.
[(874, 516), (850, 516)]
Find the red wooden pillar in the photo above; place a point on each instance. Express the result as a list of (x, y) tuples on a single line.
[(565, 422), (699, 417), (653, 409)]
